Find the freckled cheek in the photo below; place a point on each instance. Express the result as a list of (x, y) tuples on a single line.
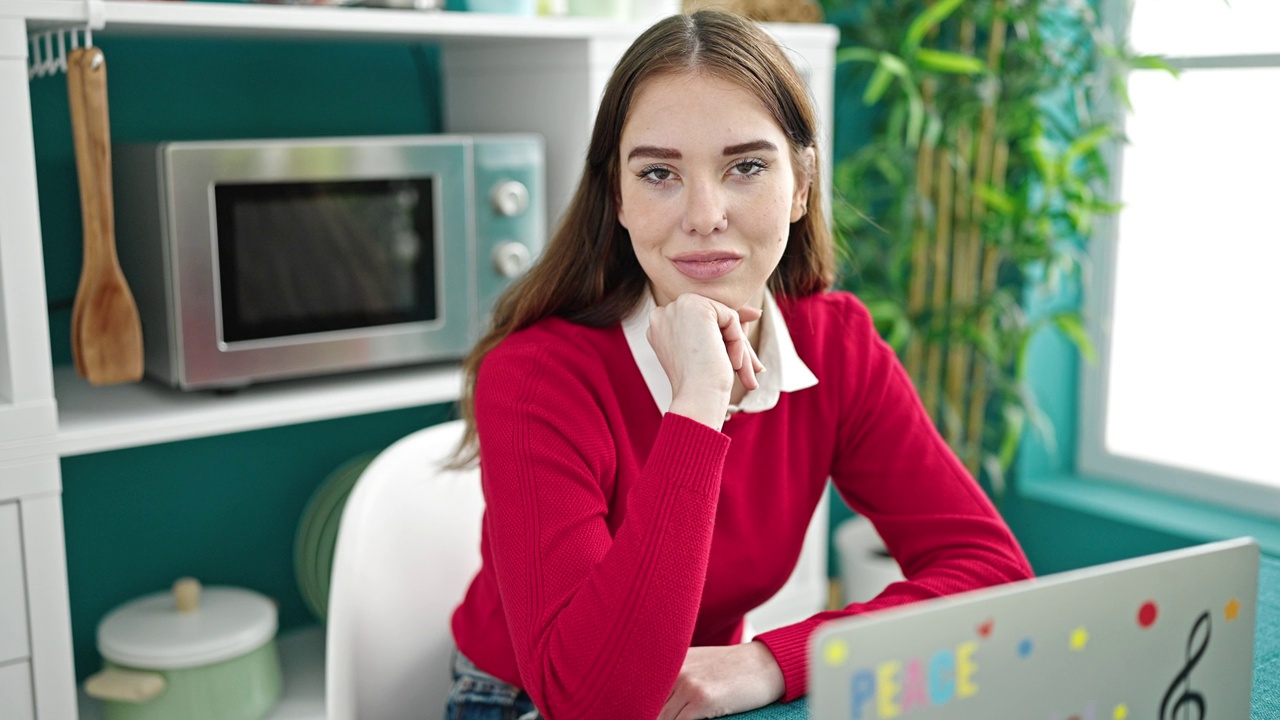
[(769, 219)]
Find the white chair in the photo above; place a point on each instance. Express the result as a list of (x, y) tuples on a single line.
[(407, 547)]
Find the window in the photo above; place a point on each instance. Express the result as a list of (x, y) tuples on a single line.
[(1185, 297)]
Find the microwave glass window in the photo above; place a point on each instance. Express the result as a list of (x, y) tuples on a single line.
[(299, 258)]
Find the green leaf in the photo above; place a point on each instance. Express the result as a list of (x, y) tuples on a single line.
[(891, 65), (996, 200), (1087, 143), (1015, 418), (878, 84), (932, 17), (857, 54), (895, 65), (889, 170), (1120, 89), (1070, 324), (1151, 62), (915, 116), (995, 475), (891, 321), (950, 62)]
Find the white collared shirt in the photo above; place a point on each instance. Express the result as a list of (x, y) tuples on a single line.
[(784, 370)]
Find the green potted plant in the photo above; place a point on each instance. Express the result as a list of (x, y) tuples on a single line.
[(978, 188)]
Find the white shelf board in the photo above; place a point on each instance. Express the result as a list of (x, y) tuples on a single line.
[(212, 19), (94, 419)]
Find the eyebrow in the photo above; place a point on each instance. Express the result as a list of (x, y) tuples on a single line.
[(661, 153), (753, 146), (651, 151)]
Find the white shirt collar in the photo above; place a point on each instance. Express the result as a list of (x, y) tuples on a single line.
[(784, 370)]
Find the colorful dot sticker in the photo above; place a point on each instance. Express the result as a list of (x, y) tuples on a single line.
[(984, 630), (1025, 647), (1079, 638), (1120, 713), (835, 652), (1147, 614), (1232, 610)]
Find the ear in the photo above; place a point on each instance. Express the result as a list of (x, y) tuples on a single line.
[(621, 211), (804, 180)]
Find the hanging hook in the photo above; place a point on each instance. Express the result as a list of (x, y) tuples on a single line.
[(50, 64), (55, 58), (62, 50), (33, 62), (95, 13)]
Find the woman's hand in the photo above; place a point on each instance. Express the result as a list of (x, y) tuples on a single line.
[(702, 346), (718, 681)]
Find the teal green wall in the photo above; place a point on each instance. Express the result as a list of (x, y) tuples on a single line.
[(223, 509)]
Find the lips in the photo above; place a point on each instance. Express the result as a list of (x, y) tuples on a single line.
[(706, 265)]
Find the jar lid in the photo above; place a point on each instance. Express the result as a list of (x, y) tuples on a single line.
[(152, 633)]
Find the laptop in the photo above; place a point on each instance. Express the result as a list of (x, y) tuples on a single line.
[(1160, 637)]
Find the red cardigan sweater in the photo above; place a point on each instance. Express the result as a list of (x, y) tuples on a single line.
[(615, 537)]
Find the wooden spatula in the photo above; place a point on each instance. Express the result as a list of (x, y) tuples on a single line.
[(106, 335)]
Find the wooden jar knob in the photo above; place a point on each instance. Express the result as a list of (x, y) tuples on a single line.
[(186, 593)]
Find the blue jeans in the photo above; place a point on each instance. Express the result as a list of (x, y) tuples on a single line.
[(477, 695)]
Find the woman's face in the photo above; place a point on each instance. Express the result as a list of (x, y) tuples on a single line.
[(708, 189)]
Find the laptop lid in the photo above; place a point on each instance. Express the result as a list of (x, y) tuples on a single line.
[(1160, 637)]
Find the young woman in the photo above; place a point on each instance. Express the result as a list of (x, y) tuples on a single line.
[(661, 402)]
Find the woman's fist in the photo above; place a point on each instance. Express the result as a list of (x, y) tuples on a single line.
[(703, 345)]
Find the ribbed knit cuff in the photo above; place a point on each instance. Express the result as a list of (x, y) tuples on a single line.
[(689, 450), (790, 647)]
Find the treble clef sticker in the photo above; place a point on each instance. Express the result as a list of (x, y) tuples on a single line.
[(1179, 699)]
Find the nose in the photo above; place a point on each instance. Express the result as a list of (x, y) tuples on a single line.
[(704, 209)]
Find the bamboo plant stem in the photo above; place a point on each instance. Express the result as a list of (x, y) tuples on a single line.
[(990, 275), (917, 293), (963, 265), (961, 288), (941, 273), (991, 165)]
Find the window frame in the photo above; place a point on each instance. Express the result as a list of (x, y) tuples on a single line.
[(1093, 458)]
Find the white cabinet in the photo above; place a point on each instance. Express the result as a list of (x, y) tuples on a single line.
[(13, 588), (15, 688), (500, 74)]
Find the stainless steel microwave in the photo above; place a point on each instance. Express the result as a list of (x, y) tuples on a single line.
[(270, 259)]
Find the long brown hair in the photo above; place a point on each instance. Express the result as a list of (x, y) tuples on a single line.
[(588, 273)]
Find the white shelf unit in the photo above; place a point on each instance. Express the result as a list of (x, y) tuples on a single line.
[(92, 419), (500, 73)]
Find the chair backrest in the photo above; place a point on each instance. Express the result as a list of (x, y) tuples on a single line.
[(407, 548)]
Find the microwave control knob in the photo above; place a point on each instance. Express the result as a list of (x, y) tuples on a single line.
[(511, 259), (510, 198)]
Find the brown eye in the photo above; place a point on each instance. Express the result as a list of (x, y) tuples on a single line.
[(749, 167), (655, 174)]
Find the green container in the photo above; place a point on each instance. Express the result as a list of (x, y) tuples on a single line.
[(243, 688), (176, 657)]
